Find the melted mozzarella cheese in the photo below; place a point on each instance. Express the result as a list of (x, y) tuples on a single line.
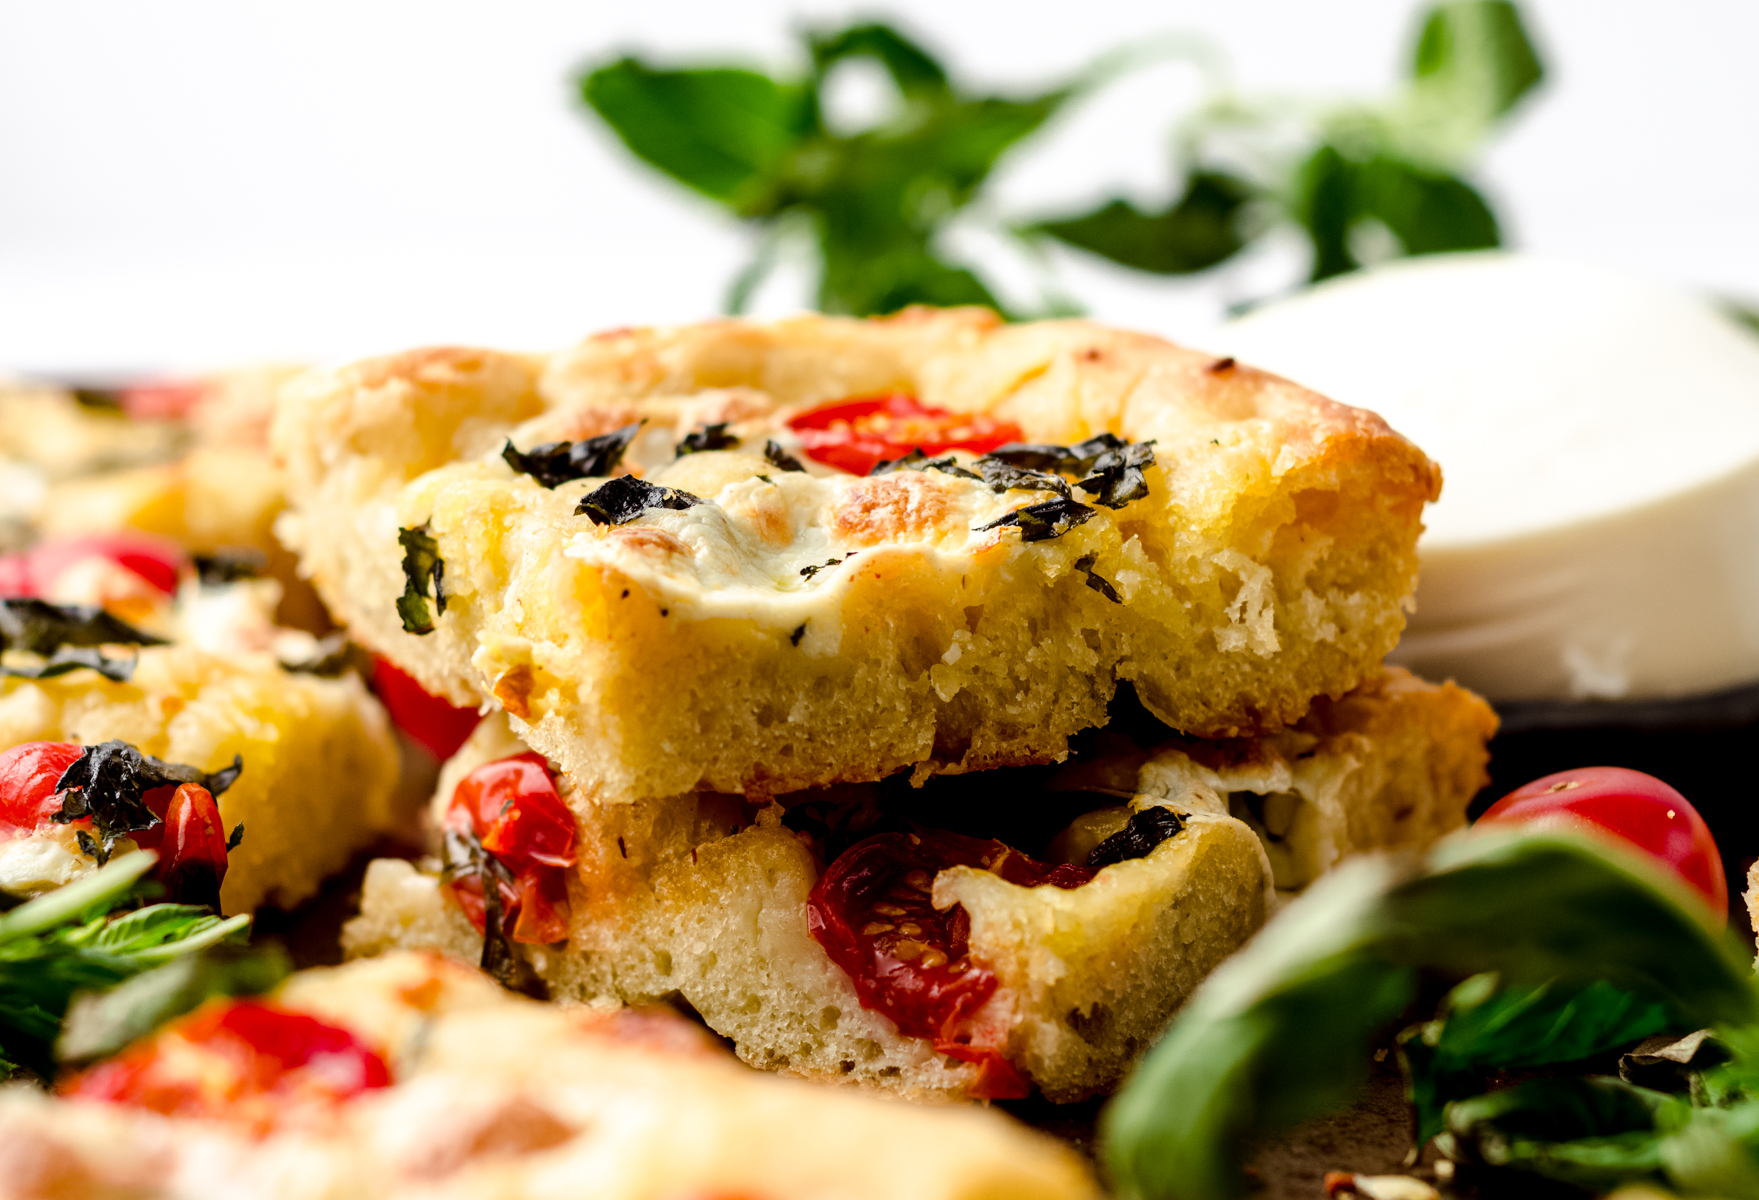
[(1598, 534)]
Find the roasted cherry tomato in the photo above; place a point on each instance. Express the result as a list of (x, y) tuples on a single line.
[(871, 911), (1631, 806), (191, 843), (431, 721), (33, 573), (857, 435), (168, 401), (28, 775), (244, 1061), (513, 810)]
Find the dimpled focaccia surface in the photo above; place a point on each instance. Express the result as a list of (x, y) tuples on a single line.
[(496, 1096), (1268, 563), (703, 897), (319, 762)]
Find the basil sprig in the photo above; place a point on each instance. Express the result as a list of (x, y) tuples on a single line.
[(1575, 933)]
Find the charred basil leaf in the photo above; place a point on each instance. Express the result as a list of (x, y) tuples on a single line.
[(1002, 476), (559, 462), (1146, 830), (809, 572), (1053, 518), (916, 460), (235, 839), (118, 670), (462, 856), (424, 573), (42, 628), (778, 457), (1034, 456), (107, 783), (229, 565), (625, 498), (1095, 581), (1116, 478), (709, 437)]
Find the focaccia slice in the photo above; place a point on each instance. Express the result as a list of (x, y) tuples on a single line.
[(764, 629), (319, 765), (487, 1094), (704, 898)]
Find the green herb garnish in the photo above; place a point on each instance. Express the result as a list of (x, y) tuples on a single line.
[(107, 783), (65, 634), (555, 463), (64, 943), (625, 498), (709, 437), (424, 573), (780, 458), (1038, 522)]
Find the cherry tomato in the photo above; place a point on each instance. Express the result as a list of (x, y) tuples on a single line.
[(33, 573), (431, 721), (28, 775), (858, 434), (513, 809), (191, 843), (244, 1061), (1631, 806), (871, 911)]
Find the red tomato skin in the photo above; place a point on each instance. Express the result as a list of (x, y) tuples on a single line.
[(28, 775), (857, 434), (517, 815), (252, 1056), (437, 725), (923, 998), (1636, 808), (191, 845), (33, 573), (167, 401)]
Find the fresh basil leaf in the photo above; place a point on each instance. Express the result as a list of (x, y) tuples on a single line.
[(556, 463), (1741, 314), (1429, 212), (43, 628), (108, 781), (721, 131), (625, 498), (99, 1024), (912, 68), (1280, 1032), (1198, 231), (1479, 54), (1596, 1132), (424, 573), (1484, 1026)]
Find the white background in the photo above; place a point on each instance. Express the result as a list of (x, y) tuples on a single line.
[(186, 184)]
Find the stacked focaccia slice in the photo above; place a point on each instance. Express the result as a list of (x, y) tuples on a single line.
[(725, 580), (410, 1077)]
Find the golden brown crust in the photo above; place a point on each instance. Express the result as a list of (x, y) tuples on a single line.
[(1268, 565)]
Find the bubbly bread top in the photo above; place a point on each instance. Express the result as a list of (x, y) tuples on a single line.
[(495, 1095), (776, 629)]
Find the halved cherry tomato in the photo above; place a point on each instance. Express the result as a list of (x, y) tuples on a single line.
[(33, 572), (858, 434), (871, 911), (28, 775), (244, 1061), (1631, 806), (516, 814), (436, 724)]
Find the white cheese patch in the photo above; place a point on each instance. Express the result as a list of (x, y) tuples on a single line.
[(37, 863), (1598, 532)]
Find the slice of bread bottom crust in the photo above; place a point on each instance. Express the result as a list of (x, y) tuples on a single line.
[(493, 1095), (703, 897), (793, 629), (319, 763)]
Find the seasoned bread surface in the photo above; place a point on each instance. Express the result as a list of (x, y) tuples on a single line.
[(802, 628)]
